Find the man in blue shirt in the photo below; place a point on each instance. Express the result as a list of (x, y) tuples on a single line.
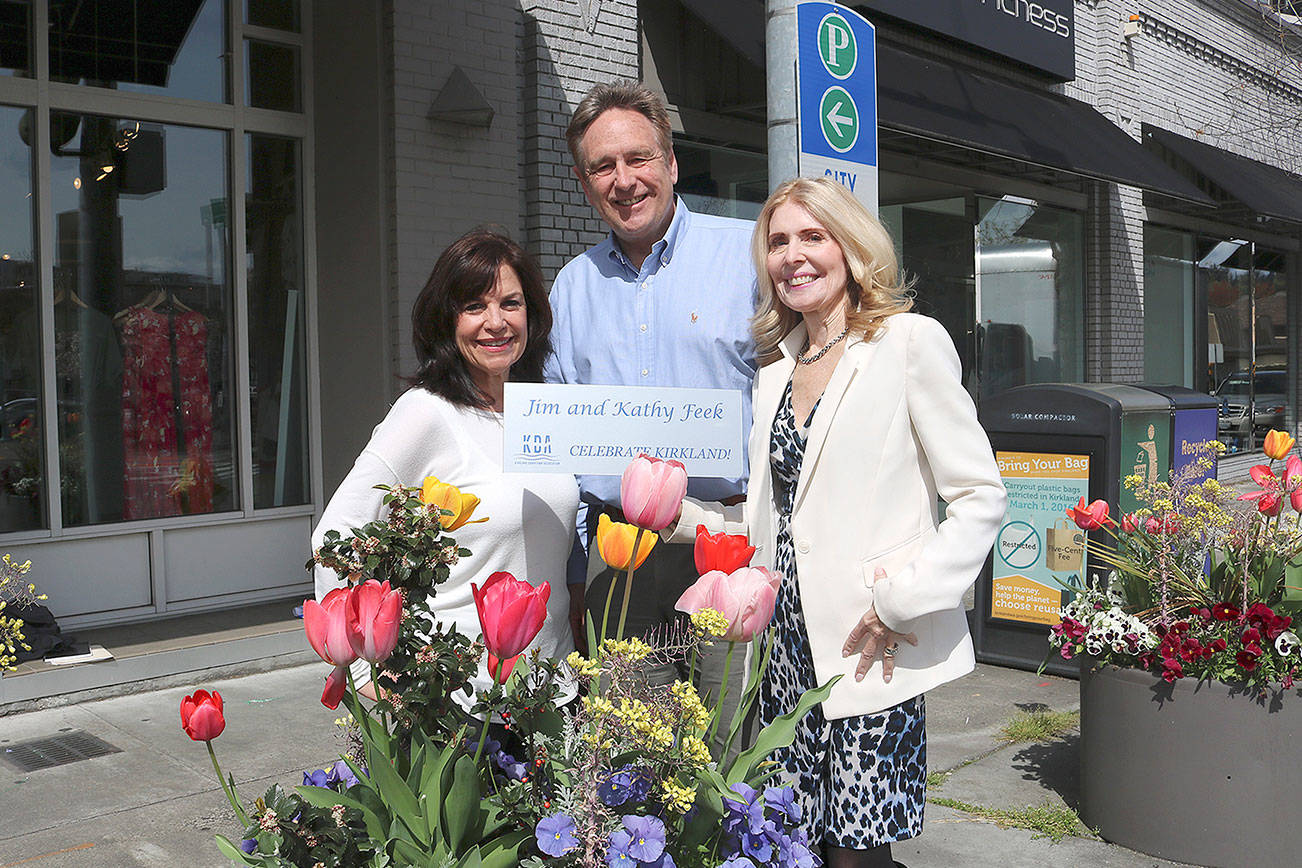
[(665, 300)]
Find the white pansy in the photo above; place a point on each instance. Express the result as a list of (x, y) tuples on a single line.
[(1286, 643)]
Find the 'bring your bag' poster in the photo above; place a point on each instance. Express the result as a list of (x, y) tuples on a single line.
[(1037, 539)]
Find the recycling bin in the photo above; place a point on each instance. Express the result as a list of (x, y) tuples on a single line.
[(1193, 422), (1056, 443)]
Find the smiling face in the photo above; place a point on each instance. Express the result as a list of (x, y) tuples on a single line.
[(629, 179), (491, 332), (805, 263)]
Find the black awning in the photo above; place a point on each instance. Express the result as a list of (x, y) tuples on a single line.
[(107, 41), (740, 23), (1260, 188), (935, 100)]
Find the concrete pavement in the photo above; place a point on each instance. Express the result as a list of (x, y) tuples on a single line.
[(157, 802)]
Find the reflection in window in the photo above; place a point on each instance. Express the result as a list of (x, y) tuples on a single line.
[(277, 355), (142, 345), (724, 181), (168, 47), (22, 475), (1031, 275), (16, 37)]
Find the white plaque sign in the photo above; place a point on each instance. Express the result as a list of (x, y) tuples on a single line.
[(597, 430)]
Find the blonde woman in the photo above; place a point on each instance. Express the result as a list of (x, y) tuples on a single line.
[(860, 423)]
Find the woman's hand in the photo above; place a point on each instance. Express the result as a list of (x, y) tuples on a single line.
[(870, 638)]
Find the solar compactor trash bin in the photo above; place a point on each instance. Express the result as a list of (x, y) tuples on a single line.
[(1056, 443)]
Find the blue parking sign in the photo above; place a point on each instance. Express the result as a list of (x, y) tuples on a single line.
[(836, 81)]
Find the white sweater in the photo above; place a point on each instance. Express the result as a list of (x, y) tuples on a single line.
[(531, 515)]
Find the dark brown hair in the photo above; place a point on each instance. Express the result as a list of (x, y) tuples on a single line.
[(464, 272)]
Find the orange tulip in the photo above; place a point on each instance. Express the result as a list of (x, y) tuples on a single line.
[(1278, 444), (615, 542), (449, 499)]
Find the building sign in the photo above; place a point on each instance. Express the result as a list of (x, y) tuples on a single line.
[(1038, 33), (836, 98), (1037, 540), (563, 428)]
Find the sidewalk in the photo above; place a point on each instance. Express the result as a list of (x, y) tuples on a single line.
[(156, 802)]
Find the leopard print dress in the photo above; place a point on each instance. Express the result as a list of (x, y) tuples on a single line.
[(861, 780)]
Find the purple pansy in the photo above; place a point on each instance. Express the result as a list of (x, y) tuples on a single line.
[(647, 837), (617, 855), (555, 834)]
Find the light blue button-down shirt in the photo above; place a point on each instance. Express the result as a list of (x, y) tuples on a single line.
[(682, 319)]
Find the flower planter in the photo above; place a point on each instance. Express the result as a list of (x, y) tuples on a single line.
[(1192, 772)]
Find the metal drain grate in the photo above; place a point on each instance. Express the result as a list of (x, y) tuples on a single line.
[(44, 753)]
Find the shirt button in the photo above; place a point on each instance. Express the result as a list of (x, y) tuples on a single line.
[(645, 372), (642, 327), (803, 546)]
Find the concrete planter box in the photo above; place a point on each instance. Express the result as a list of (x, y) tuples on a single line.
[(1192, 772)]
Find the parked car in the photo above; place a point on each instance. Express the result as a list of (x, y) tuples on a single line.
[(1270, 389)]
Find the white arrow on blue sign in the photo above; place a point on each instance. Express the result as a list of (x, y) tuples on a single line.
[(836, 84)]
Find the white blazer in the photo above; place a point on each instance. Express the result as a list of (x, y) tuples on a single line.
[(894, 429)]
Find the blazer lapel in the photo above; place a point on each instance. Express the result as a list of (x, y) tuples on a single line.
[(773, 379), (852, 362)]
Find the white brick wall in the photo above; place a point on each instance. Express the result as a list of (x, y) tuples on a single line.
[(447, 178), (563, 57)]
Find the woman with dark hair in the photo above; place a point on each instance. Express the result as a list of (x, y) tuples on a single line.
[(482, 318)]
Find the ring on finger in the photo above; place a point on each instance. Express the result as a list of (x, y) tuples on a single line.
[(889, 650)]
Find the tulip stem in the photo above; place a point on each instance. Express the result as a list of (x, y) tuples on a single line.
[(628, 585), (226, 787), (605, 615), (723, 691)]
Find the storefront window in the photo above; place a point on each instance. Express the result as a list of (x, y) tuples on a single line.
[(272, 76), (280, 14), (1004, 276), (1243, 287), (277, 356), (166, 47), (723, 181), (1030, 283), (1169, 308), (143, 341), (22, 475), (15, 37)]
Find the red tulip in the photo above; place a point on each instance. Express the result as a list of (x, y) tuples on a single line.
[(326, 625), (511, 612), (1090, 517), (374, 614), (724, 552), (745, 597), (651, 491), (1130, 522), (201, 715)]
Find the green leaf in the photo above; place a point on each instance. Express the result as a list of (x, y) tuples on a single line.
[(235, 854), (393, 789), (779, 733), (471, 859), (462, 802), (504, 850), (323, 798)]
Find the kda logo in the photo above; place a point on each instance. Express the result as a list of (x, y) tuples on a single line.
[(535, 445)]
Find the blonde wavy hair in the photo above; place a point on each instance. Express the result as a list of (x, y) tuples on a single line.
[(876, 289)]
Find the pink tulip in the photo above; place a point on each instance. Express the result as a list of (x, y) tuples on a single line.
[(745, 597), (374, 614), (651, 491), (201, 715), (511, 612), (326, 625)]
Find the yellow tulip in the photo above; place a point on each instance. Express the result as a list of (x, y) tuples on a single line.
[(615, 542), (449, 499), (1278, 444)]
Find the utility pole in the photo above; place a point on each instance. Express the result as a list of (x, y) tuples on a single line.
[(780, 55)]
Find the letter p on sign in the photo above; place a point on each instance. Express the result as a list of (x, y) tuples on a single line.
[(836, 46)]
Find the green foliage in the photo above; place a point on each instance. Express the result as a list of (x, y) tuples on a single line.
[(1040, 725), (1046, 821)]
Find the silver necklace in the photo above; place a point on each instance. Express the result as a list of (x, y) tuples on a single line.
[(827, 346)]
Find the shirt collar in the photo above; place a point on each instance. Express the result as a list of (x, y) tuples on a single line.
[(664, 250)]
